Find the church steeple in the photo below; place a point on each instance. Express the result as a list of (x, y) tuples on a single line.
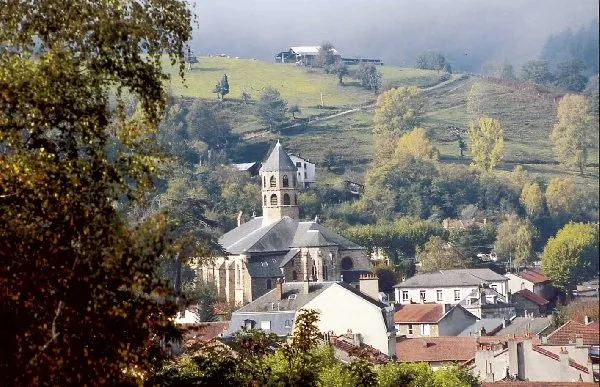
[(279, 192)]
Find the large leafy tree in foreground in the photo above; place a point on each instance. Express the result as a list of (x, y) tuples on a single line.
[(78, 284)]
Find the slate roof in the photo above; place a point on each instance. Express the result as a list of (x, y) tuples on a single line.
[(310, 50), (430, 349), (531, 296), (491, 326), (449, 278), (281, 235), (265, 266), (278, 160), (533, 276), (419, 313), (521, 325), (567, 333), (475, 300)]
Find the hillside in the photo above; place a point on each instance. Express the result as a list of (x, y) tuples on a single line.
[(526, 114)]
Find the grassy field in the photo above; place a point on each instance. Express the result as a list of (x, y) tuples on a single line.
[(526, 114)]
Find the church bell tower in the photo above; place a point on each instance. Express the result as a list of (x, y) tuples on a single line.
[(279, 186)]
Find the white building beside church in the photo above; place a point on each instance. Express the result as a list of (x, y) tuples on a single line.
[(279, 245), (306, 171)]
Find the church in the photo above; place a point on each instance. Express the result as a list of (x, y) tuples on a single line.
[(278, 245)]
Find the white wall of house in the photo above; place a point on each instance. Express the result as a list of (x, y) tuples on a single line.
[(341, 311), (516, 283), (306, 174), (442, 295)]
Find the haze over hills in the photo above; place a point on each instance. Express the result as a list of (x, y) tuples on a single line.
[(468, 32)]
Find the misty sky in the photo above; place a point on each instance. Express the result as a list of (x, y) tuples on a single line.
[(468, 32)]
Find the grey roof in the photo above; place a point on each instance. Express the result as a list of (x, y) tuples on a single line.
[(265, 266), (289, 256), (281, 321), (448, 278), (244, 166), (281, 235), (520, 325), (278, 160), (475, 293), (490, 324)]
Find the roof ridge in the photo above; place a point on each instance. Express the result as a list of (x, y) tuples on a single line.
[(552, 355), (267, 227)]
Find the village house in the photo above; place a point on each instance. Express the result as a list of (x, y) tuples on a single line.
[(484, 302), (250, 168), (447, 286), (529, 304), (431, 320), (532, 280), (306, 171), (277, 245), (342, 308)]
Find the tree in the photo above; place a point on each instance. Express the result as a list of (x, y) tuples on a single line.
[(562, 199), (398, 111), (222, 88), (341, 70), (326, 57), (386, 276), (569, 75), (486, 139), (592, 92), (370, 77), (79, 288), (416, 143), (536, 71), (294, 109), (572, 134), (514, 240), (432, 61), (271, 107), (532, 199), (498, 70), (190, 58), (440, 255), (571, 256)]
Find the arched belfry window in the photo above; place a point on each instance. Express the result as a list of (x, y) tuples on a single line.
[(294, 181), (296, 199), (286, 182), (286, 199), (265, 200), (273, 182), (264, 181), (273, 200)]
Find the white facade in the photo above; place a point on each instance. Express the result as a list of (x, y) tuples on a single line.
[(306, 174), (342, 311), (442, 295)]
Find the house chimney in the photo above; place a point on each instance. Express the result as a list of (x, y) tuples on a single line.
[(240, 218), (579, 341), (587, 320), (357, 339), (306, 286), (278, 289), (369, 285), (563, 357)]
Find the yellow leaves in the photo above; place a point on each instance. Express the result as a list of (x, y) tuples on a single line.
[(486, 138), (416, 143)]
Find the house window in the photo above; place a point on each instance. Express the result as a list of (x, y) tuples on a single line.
[(286, 182), (288, 323), (249, 324), (269, 285), (410, 329), (294, 275), (439, 296), (286, 199), (425, 330), (305, 175), (273, 200), (405, 295), (298, 164), (273, 182), (422, 295), (457, 295), (265, 325)]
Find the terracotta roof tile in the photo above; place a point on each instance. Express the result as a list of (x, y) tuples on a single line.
[(554, 356), (419, 313), (205, 331), (531, 296), (445, 348), (567, 333), (533, 276)]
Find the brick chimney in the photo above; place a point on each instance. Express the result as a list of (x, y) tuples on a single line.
[(278, 289)]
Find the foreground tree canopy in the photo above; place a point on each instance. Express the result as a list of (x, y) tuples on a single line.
[(78, 284)]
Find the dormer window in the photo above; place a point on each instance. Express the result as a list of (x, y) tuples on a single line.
[(292, 296), (272, 182), (286, 182)]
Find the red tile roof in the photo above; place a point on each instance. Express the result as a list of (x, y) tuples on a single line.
[(533, 276), (567, 333), (554, 356), (595, 326), (419, 313), (205, 331), (531, 296), (444, 348)]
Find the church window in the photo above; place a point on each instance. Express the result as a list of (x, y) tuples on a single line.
[(273, 182), (286, 182), (295, 199), (265, 200), (265, 181), (314, 272), (273, 200), (269, 285), (347, 263), (286, 199), (294, 275), (325, 274), (294, 181)]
